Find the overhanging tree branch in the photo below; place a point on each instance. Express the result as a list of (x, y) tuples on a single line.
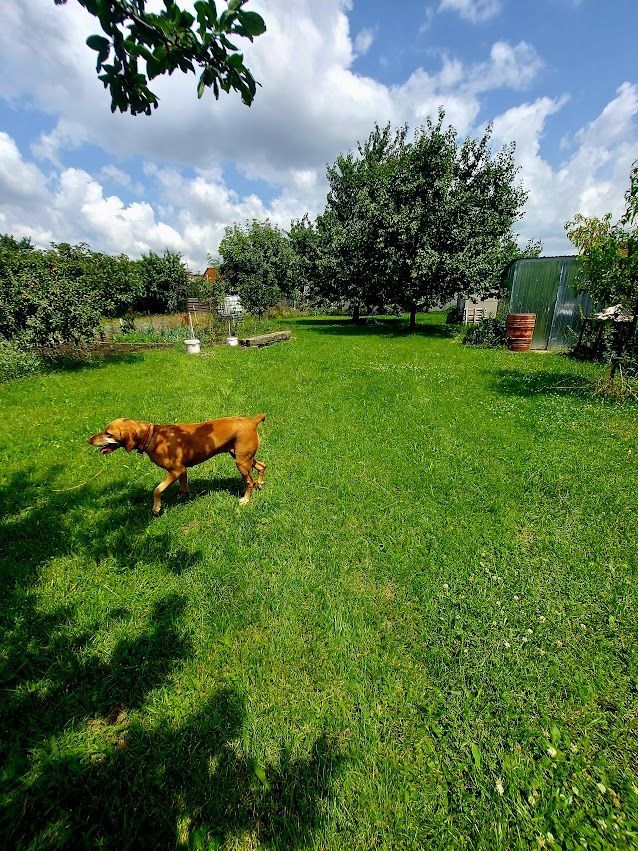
[(171, 40)]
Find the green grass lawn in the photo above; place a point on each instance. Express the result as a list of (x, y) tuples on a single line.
[(420, 634)]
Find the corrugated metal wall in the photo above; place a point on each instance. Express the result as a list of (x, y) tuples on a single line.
[(546, 286)]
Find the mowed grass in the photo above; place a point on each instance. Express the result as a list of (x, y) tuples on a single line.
[(420, 634)]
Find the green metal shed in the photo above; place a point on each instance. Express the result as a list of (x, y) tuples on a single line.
[(546, 286)]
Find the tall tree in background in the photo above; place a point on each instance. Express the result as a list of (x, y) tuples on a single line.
[(257, 264), (304, 245), (143, 45), (608, 258), (450, 217), (350, 264), (414, 222), (608, 252), (166, 282)]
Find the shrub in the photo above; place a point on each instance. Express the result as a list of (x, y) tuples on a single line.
[(489, 332), (44, 300), (166, 282), (257, 264), (16, 362)]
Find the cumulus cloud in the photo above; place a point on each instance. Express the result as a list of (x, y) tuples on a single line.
[(363, 41), (474, 11), (312, 106), (20, 182), (591, 180)]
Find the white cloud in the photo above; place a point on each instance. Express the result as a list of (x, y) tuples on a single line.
[(20, 182), (475, 11), (311, 107), (363, 41), (591, 181), (65, 136), (116, 175)]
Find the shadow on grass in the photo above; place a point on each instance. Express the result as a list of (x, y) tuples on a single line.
[(188, 785), (83, 766), (389, 327), (95, 359), (519, 382), (233, 485)]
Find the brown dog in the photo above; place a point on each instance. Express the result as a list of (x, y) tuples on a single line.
[(177, 447)]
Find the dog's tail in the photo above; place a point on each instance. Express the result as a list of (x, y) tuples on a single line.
[(259, 419)]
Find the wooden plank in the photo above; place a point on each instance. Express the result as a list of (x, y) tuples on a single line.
[(265, 339)]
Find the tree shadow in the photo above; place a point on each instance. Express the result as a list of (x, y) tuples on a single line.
[(372, 326), (84, 763), (519, 382), (191, 784), (93, 359), (40, 522)]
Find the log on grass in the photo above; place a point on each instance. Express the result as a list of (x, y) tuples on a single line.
[(265, 339)]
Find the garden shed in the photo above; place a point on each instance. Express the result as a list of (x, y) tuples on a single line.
[(547, 287)]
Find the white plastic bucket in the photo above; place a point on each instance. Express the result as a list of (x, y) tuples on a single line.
[(232, 341), (192, 347)]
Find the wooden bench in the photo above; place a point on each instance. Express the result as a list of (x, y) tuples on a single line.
[(265, 339)]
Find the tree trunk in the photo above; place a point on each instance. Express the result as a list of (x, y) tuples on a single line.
[(356, 313), (412, 324)]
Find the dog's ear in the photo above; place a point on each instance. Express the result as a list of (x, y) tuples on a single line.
[(128, 434)]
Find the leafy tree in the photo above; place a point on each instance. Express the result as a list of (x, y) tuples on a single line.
[(44, 300), (145, 45), (257, 264), (166, 282), (449, 223), (414, 222), (349, 257), (117, 280), (304, 243), (9, 244), (608, 265), (631, 196), (608, 255)]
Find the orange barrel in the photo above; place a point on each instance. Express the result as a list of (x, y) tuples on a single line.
[(519, 331)]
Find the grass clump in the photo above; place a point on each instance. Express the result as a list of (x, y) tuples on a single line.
[(16, 362)]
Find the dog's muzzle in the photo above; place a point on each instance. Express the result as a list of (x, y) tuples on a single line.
[(106, 445)]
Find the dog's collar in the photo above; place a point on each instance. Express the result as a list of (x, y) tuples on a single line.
[(142, 446)]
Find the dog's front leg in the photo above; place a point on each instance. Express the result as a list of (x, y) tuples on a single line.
[(183, 485), (171, 477)]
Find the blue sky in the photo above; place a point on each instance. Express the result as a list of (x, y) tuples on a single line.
[(558, 77)]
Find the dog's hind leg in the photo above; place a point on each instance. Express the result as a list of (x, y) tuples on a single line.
[(183, 484), (245, 466), (171, 477), (261, 469)]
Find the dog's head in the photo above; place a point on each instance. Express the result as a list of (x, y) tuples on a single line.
[(121, 432)]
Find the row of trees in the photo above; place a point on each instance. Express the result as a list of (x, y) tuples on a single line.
[(407, 224), (58, 296)]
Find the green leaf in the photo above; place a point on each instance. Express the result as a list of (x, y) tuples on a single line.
[(236, 61), (261, 774), (98, 43), (153, 67), (476, 754), (252, 23), (201, 86)]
